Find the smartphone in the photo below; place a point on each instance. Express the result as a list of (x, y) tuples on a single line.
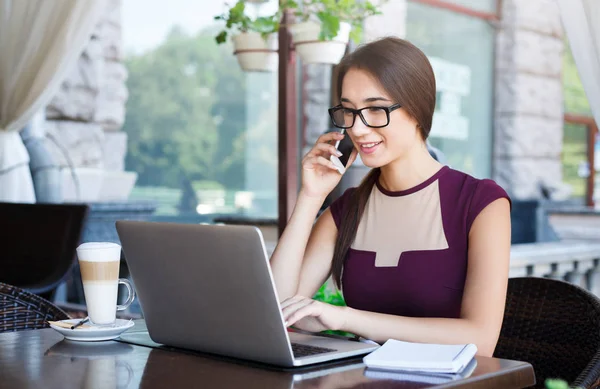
[(344, 146)]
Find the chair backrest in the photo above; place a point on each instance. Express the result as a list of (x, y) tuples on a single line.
[(38, 242), (22, 310), (553, 325)]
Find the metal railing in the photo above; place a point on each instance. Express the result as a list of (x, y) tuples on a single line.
[(573, 261)]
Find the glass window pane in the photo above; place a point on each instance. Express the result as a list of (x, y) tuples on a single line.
[(478, 5), (202, 133), (575, 98), (461, 49), (575, 159)]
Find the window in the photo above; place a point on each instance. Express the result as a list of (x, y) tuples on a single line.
[(202, 134), (575, 99), (461, 50), (575, 164), (477, 5), (580, 159)]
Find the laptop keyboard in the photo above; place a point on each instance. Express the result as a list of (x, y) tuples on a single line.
[(304, 350)]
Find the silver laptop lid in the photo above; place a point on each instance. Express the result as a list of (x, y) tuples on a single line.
[(207, 288)]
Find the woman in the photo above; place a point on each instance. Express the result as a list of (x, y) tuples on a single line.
[(420, 251)]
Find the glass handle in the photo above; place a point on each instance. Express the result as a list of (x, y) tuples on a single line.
[(129, 373), (130, 297)]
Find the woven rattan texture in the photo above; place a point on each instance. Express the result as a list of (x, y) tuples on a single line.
[(22, 310), (555, 326)]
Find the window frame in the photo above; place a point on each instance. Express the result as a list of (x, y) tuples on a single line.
[(592, 132), (448, 5)]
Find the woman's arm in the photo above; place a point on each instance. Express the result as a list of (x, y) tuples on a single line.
[(301, 261), (482, 304)]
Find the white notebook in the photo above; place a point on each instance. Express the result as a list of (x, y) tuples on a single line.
[(421, 376), (424, 357)]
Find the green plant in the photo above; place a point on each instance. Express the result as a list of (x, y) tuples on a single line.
[(556, 384), (330, 295), (330, 13), (553, 383), (236, 20)]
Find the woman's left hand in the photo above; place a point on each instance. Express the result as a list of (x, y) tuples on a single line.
[(312, 315)]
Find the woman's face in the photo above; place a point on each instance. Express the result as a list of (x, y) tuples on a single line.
[(377, 146)]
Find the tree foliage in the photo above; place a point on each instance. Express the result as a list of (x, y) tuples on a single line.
[(185, 112), (575, 98)]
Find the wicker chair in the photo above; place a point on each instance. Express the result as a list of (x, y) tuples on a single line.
[(555, 326), (22, 310)]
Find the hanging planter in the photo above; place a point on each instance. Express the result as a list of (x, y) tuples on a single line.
[(311, 48), (320, 35), (324, 27), (255, 53)]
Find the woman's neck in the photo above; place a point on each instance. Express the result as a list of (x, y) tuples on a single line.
[(409, 171)]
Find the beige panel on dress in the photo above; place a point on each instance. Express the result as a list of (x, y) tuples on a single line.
[(391, 226)]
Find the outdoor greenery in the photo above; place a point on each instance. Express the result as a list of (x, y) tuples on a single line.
[(236, 20), (575, 98), (328, 293), (574, 151), (180, 94), (330, 13), (557, 384)]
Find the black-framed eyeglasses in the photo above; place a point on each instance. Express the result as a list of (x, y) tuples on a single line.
[(374, 117)]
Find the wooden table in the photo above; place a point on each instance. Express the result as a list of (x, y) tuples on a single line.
[(43, 359)]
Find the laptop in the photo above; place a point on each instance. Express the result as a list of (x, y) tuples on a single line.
[(209, 288)]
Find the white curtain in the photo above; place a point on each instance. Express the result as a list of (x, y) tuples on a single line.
[(39, 41), (581, 20)]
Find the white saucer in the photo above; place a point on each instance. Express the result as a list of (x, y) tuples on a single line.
[(93, 333)]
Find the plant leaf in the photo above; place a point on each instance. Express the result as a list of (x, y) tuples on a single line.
[(265, 25), (330, 25), (356, 33), (222, 37), (556, 384)]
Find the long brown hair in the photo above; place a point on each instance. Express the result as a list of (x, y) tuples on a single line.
[(406, 75)]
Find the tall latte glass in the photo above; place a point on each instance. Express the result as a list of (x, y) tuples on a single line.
[(99, 264)]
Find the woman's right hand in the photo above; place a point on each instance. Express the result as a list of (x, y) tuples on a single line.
[(319, 174)]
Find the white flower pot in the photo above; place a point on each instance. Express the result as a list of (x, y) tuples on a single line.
[(84, 187), (117, 185), (255, 53), (96, 185), (305, 36)]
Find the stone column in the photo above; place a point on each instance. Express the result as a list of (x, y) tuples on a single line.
[(85, 116), (529, 98)]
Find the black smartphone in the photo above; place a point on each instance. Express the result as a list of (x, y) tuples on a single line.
[(344, 146)]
